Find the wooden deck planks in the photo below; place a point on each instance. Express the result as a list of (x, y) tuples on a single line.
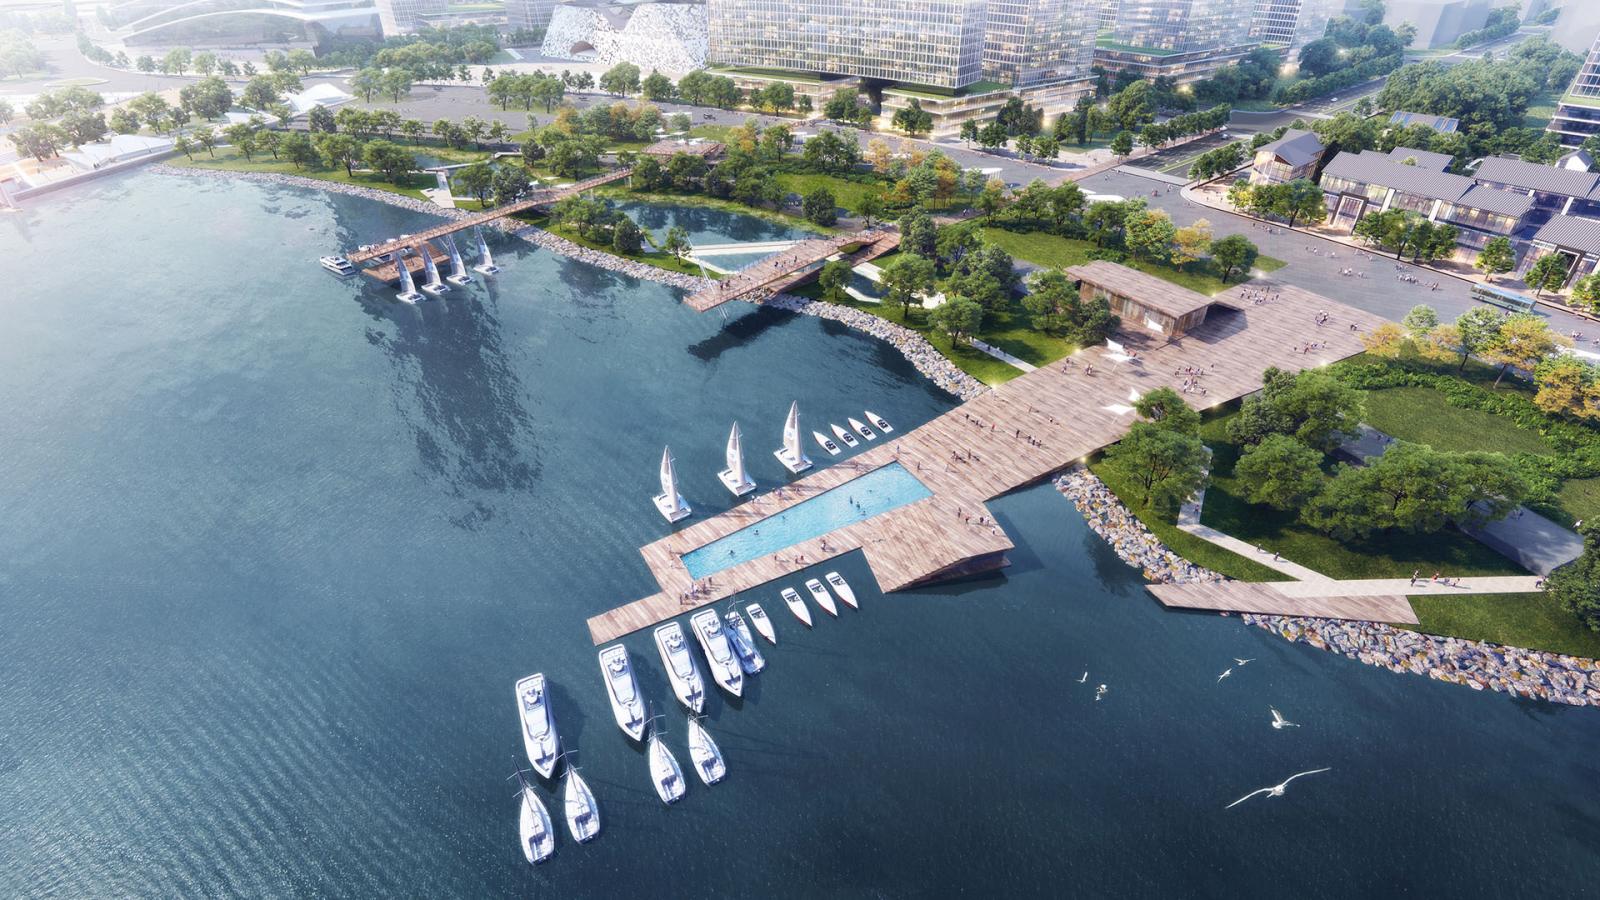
[(981, 449), (787, 268), (1265, 598)]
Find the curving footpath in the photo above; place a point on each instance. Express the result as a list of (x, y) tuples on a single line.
[(1537, 674), (913, 346)]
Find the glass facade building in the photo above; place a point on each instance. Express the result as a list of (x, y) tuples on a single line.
[(1183, 26), (1578, 114), (529, 15), (1030, 43), (1291, 24), (405, 16)]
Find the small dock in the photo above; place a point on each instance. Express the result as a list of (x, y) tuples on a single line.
[(389, 272), (1267, 599)]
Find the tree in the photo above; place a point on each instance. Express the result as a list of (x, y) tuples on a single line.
[(320, 119), (1280, 472), (969, 131), (657, 87), (296, 147), (905, 279), (207, 98), (84, 127), (242, 137), (1312, 406), (476, 180), (1164, 408), (260, 93), (676, 242), (918, 234), (176, 61), (626, 238), (621, 79), (1302, 199), (1234, 253), (1576, 585), (958, 318), (1387, 340), (1477, 330), (1414, 488), (820, 208), (1169, 465), (1568, 386), (270, 141), (1122, 144), (1496, 257), (845, 106), (207, 138), (1191, 242), (1548, 273), (1524, 341), (833, 279), (1148, 234), (124, 121), (393, 162), (913, 119), (1586, 293), (1319, 57), (396, 83), (869, 207), (182, 145)]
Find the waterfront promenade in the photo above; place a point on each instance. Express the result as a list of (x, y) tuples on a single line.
[(1002, 439)]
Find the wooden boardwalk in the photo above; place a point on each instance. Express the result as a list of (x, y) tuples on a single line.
[(790, 267), (1267, 599), (1016, 434)]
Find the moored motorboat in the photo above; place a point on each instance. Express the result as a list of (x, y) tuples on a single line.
[(842, 588), (583, 814), (825, 443), (744, 643), (862, 429), (844, 436), (533, 824), (679, 663), (713, 638), (796, 605), (821, 595), (665, 775), (338, 265), (880, 421), (706, 755), (539, 737), (623, 689), (762, 623)]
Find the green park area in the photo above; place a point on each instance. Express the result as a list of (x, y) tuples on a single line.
[(1057, 252), (232, 160)]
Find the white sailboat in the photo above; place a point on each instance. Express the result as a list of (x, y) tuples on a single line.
[(844, 436), (583, 814), (842, 588), (669, 502), (791, 454), (623, 689), (680, 666), (705, 753), (533, 824), (880, 421), (744, 643), (487, 266), (762, 623), (821, 595), (826, 443), (408, 288), (862, 429), (539, 737), (796, 605), (734, 477), (458, 269), (713, 638), (665, 775), (435, 285)]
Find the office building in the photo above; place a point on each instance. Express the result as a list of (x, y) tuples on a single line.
[(1181, 39), (529, 15), (1029, 43), (1291, 24), (406, 16), (1438, 22), (1577, 116)]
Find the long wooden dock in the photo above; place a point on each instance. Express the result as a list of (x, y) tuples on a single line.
[(1005, 438), (1267, 599), (790, 267)]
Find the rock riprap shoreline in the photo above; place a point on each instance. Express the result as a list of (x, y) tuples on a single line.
[(1554, 677), (914, 347)]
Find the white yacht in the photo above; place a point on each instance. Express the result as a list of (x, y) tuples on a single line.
[(762, 623), (665, 774), (538, 724), (826, 443), (583, 815), (797, 606), (725, 669), (845, 437), (707, 757), (842, 588), (533, 823), (744, 643), (623, 689), (338, 265), (679, 663), (882, 423), (862, 429), (821, 595)]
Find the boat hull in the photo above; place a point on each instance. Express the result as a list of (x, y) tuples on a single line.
[(762, 623), (689, 688), (538, 841), (823, 598), (665, 774), (843, 589), (542, 750), (720, 656), (797, 606), (583, 816), (705, 753), (629, 715)]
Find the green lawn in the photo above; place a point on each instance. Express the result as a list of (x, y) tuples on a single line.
[(1535, 621), (846, 193), (1578, 499), (1059, 252), (651, 256), (231, 160), (713, 132), (1541, 108), (1421, 415)]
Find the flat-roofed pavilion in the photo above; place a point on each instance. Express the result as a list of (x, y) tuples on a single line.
[(1140, 300)]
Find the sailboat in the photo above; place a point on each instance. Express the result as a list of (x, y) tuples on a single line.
[(665, 775), (734, 477), (435, 285), (487, 266), (669, 502), (583, 814), (533, 824), (408, 288), (744, 643), (458, 268), (705, 753), (793, 458)]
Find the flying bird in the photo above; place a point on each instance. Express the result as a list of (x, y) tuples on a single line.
[(1224, 675), (1243, 661), (1278, 721), (1084, 678), (1276, 790)]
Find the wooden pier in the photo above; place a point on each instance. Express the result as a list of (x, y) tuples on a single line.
[(784, 270), (1011, 436)]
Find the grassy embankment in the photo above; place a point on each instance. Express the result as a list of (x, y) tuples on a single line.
[(231, 160)]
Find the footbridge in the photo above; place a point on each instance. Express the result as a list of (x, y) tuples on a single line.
[(792, 266)]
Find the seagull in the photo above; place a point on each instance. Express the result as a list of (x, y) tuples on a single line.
[(1224, 675), (1274, 791), (1278, 721), (1084, 678), (1243, 661)]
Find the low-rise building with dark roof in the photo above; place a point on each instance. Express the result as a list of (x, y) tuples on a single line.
[(1295, 155), (1141, 300), (1573, 237), (1441, 124), (1555, 190), (1426, 159), (1368, 182)]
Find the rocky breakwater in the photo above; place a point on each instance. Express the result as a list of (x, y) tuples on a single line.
[(1479, 665)]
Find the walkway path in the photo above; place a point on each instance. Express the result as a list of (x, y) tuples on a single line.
[(1003, 356)]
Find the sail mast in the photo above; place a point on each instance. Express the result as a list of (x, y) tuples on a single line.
[(734, 477), (669, 502)]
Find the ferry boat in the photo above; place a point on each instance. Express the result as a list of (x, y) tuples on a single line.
[(707, 756), (825, 443), (762, 623), (623, 689), (533, 823), (539, 737), (862, 429), (338, 265), (583, 815), (842, 588), (845, 437), (744, 643), (821, 595), (797, 606), (880, 421), (725, 669), (679, 663), (665, 774)]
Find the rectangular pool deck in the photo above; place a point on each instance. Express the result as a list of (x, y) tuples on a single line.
[(982, 449)]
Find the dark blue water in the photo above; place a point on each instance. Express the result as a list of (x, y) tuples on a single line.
[(710, 226), (274, 549)]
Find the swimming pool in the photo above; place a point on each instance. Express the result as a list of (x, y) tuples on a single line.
[(856, 500)]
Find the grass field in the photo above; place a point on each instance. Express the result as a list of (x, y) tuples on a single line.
[(713, 132), (1534, 621), (1421, 415), (231, 160), (1541, 109), (1059, 252), (846, 193)]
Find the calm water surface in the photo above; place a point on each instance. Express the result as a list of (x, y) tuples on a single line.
[(274, 549)]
